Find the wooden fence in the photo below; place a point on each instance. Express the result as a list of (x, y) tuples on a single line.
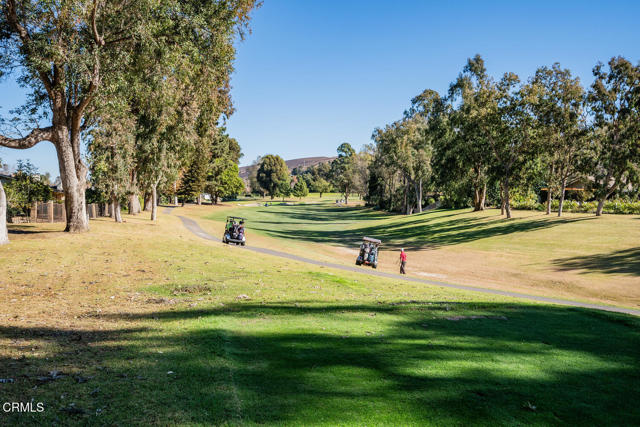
[(55, 212)]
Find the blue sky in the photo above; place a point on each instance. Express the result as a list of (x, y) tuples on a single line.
[(314, 74)]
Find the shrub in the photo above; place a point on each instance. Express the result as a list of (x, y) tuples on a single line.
[(617, 206)]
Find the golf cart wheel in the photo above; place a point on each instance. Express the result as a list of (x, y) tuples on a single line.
[(242, 244), (375, 265)]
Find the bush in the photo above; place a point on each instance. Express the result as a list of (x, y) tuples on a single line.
[(430, 201), (524, 202), (617, 206)]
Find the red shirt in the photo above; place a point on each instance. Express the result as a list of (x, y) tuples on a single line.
[(403, 256)]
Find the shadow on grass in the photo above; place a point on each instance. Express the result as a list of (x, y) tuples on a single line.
[(440, 363), (426, 230), (626, 261), (31, 229)]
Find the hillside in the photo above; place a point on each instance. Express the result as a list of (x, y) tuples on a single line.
[(293, 163)]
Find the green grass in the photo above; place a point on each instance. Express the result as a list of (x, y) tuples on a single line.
[(578, 256), (309, 346)]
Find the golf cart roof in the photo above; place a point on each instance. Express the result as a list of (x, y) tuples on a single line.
[(369, 239), (234, 217)]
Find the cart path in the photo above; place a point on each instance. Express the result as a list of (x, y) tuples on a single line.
[(193, 226)]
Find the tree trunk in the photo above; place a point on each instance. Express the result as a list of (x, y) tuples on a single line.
[(600, 206), (73, 173), (147, 202), (548, 200), (154, 202), (4, 236), (501, 199), (115, 204), (215, 199), (479, 197), (552, 169), (134, 204), (175, 193), (562, 191), (199, 199), (507, 202), (419, 196)]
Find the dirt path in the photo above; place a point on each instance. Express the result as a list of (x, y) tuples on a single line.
[(193, 226)]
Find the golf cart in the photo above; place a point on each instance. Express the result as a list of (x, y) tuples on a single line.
[(368, 252), (234, 231)]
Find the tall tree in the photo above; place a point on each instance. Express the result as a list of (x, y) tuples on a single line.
[(111, 157), (342, 170), (273, 174), (66, 51), (511, 134), (467, 152), (614, 100), (559, 108)]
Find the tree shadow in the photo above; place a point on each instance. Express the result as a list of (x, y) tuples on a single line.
[(440, 363), (31, 229), (625, 261), (426, 230)]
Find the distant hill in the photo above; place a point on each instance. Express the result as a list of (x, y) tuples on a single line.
[(303, 162)]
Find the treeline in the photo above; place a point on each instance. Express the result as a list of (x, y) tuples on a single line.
[(144, 84), (486, 142), (346, 174)]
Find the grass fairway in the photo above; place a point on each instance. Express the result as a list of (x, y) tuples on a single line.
[(149, 324), (578, 256)]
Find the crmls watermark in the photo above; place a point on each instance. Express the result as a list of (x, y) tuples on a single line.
[(21, 407)]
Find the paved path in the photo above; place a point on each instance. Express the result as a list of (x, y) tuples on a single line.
[(193, 226)]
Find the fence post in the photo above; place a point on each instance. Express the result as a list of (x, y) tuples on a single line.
[(50, 210), (33, 213)]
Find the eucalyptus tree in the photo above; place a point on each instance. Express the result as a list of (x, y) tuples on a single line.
[(510, 132), (361, 173), (190, 74), (67, 53), (558, 103), (111, 162), (614, 100), (466, 153), (424, 120), (343, 170)]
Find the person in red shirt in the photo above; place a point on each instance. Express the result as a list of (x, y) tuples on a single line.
[(403, 261)]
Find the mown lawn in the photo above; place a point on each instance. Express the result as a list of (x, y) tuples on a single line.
[(577, 257), (147, 324)]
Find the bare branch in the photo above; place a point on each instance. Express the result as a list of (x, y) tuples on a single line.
[(35, 136)]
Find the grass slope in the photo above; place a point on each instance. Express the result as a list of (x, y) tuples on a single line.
[(578, 257), (148, 324)]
